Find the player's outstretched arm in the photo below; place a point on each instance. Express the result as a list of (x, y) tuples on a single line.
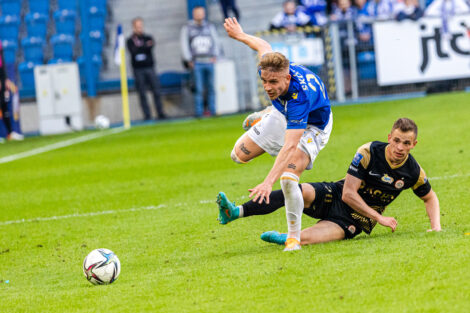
[(431, 202), (235, 31), (352, 198)]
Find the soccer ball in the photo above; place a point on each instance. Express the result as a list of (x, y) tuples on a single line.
[(101, 267), (101, 122)]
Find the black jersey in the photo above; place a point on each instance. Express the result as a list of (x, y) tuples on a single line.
[(382, 182)]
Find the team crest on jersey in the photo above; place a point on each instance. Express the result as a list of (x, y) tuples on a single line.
[(387, 179), (357, 159), (295, 95), (399, 184), (352, 229)]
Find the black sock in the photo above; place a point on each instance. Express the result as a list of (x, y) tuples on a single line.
[(276, 201)]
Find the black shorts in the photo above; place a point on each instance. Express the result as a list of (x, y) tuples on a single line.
[(328, 206)]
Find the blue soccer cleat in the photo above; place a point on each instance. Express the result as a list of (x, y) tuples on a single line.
[(227, 211), (274, 237)]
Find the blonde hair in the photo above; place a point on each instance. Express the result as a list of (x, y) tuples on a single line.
[(274, 62)]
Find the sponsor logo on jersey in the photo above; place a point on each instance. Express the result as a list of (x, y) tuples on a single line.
[(309, 140), (399, 184), (357, 159), (256, 130), (387, 179), (374, 174), (352, 168)]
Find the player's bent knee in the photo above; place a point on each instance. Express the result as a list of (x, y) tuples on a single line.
[(289, 181), (236, 159)]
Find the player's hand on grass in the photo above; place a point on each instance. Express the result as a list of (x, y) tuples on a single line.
[(233, 29), (388, 221), (261, 192)]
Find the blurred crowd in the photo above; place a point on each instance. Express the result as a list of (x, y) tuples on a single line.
[(302, 13)]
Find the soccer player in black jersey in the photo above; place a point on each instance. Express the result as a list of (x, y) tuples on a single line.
[(376, 176)]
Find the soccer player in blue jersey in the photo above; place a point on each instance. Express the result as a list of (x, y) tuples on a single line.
[(297, 128)]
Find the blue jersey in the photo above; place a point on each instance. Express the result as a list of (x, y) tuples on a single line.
[(306, 101)]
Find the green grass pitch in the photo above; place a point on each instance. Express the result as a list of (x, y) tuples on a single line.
[(175, 257)]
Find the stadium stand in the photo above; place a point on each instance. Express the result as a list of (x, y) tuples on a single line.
[(62, 46), (26, 70), (65, 21), (36, 24), (9, 27), (39, 6), (71, 5), (10, 48), (11, 7), (33, 49)]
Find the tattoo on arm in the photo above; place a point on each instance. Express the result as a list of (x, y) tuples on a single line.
[(292, 166), (244, 149)]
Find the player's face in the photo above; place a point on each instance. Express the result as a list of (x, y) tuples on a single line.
[(400, 144), (275, 83)]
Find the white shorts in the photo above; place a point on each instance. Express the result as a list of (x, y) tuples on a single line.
[(269, 134)]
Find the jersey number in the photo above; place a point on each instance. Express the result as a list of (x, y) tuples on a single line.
[(322, 88)]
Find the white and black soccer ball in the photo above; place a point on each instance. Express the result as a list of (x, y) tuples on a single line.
[(102, 122), (101, 267)]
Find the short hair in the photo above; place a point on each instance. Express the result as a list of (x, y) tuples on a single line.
[(134, 20), (198, 7), (274, 62), (405, 125)]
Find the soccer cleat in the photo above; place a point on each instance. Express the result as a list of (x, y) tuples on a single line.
[(255, 117), (274, 237), (292, 244), (227, 211)]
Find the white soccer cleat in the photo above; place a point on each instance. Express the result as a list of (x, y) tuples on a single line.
[(15, 136), (292, 244), (255, 117)]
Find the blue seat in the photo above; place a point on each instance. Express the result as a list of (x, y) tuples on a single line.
[(97, 62), (9, 51), (26, 70), (9, 27), (36, 24), (59, 61), (96, 18), (62, 46), (65, 21), (96, 42), (11, 7), (100, 4), (67, 5), (39, 6), (33, 49), (366, 65)]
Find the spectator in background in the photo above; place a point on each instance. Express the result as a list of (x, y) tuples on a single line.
[(290, 18), (200, 48), (343, 11), (316, 9), (446, 9), (140, 46), (5, 94), (408, 9), (372, 10), (229, 5)]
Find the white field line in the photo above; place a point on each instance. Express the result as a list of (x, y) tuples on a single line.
[(449, 176), (59, 145), (149, 208)]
